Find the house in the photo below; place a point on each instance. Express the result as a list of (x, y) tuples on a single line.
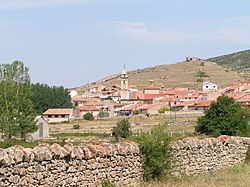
[(72, 92), (192, 58), (152, 89), (58, 115), (198, 105), (127, 110), (94, 109), (244, 101), (43, 129), (208, 86), (151, 109)]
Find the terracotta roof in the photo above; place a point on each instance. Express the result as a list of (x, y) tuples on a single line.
[(88, 108), (148, 106), (236, 95), (245, 98), (136, 95), (58, 111), (170, 99), (194, 103), (131, 107), (245, 81), (78, 99), (152, 88)]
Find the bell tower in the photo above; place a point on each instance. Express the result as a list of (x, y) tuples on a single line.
[(124, 84)]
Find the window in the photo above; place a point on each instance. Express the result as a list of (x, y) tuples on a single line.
[(56, 116), (206, 86), (50, 116), (63, 116)]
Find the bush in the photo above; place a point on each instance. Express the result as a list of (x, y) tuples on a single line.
[(157, 154), (122, 129), (163, 110), (107, 183), (247, 159), (136, 112), (88, 116), (76, 126), (224, 117), (103, 114)]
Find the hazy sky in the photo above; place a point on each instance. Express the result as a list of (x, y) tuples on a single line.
[(71, 42)]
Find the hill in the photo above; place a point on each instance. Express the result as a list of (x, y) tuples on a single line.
[(182, 74), (238, 61)]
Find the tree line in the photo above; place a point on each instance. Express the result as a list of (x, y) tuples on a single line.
[(21, 101)]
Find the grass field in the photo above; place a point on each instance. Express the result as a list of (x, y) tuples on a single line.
[(236, 176)]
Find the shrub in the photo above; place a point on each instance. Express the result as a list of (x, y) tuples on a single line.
[(247, 159), (163, 110), (88, 116), (76, 126), (224, 117), (156, 151), (103, 114), (122, 129), (107, 183), (136, 112)]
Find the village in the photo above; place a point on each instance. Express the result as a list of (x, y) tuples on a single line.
[(128, 100)]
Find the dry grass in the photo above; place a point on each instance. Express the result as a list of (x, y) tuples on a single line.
[(138, 124), (237, 176), (181, 74)]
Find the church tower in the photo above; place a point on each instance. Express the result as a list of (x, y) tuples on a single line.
[(124, 84)]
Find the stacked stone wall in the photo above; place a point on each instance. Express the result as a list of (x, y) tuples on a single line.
[(90, 165), (86, 165), (194, 156)]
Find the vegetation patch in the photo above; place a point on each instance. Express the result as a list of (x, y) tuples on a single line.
[(78, 134), (156, 151), (224, 117)]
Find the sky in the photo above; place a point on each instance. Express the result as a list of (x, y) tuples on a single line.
[(73, 42)]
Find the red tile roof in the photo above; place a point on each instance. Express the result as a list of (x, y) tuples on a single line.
[(58, 111), (194, 103), (148, 106), (88, 108), (152, 88)]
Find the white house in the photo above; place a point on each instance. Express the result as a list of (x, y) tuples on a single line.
[(43, 128), (58, 115), (72, 93), (208, 86)]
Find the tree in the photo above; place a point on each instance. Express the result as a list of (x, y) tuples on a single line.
[(122, 129), (224, 117), (46, 97), (88, 116), (16, 111), (103, 114), (157, 154), (163, 110)]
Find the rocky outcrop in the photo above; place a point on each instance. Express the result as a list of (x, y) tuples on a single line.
[(83, 165)]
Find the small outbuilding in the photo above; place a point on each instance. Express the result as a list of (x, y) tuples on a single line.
[(43, 128)]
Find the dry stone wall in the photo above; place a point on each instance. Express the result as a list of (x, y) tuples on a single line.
[(84, 165), (195, 156), (89, 165)]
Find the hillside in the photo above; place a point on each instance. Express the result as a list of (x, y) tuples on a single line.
[(238, 61), (181, 74)]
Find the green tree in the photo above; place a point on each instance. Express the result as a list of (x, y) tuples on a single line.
[(103, 114), (224, 117), (157, 154), (16, 110), (46, 97), (122, 129), (88, 116), (163, 110)]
